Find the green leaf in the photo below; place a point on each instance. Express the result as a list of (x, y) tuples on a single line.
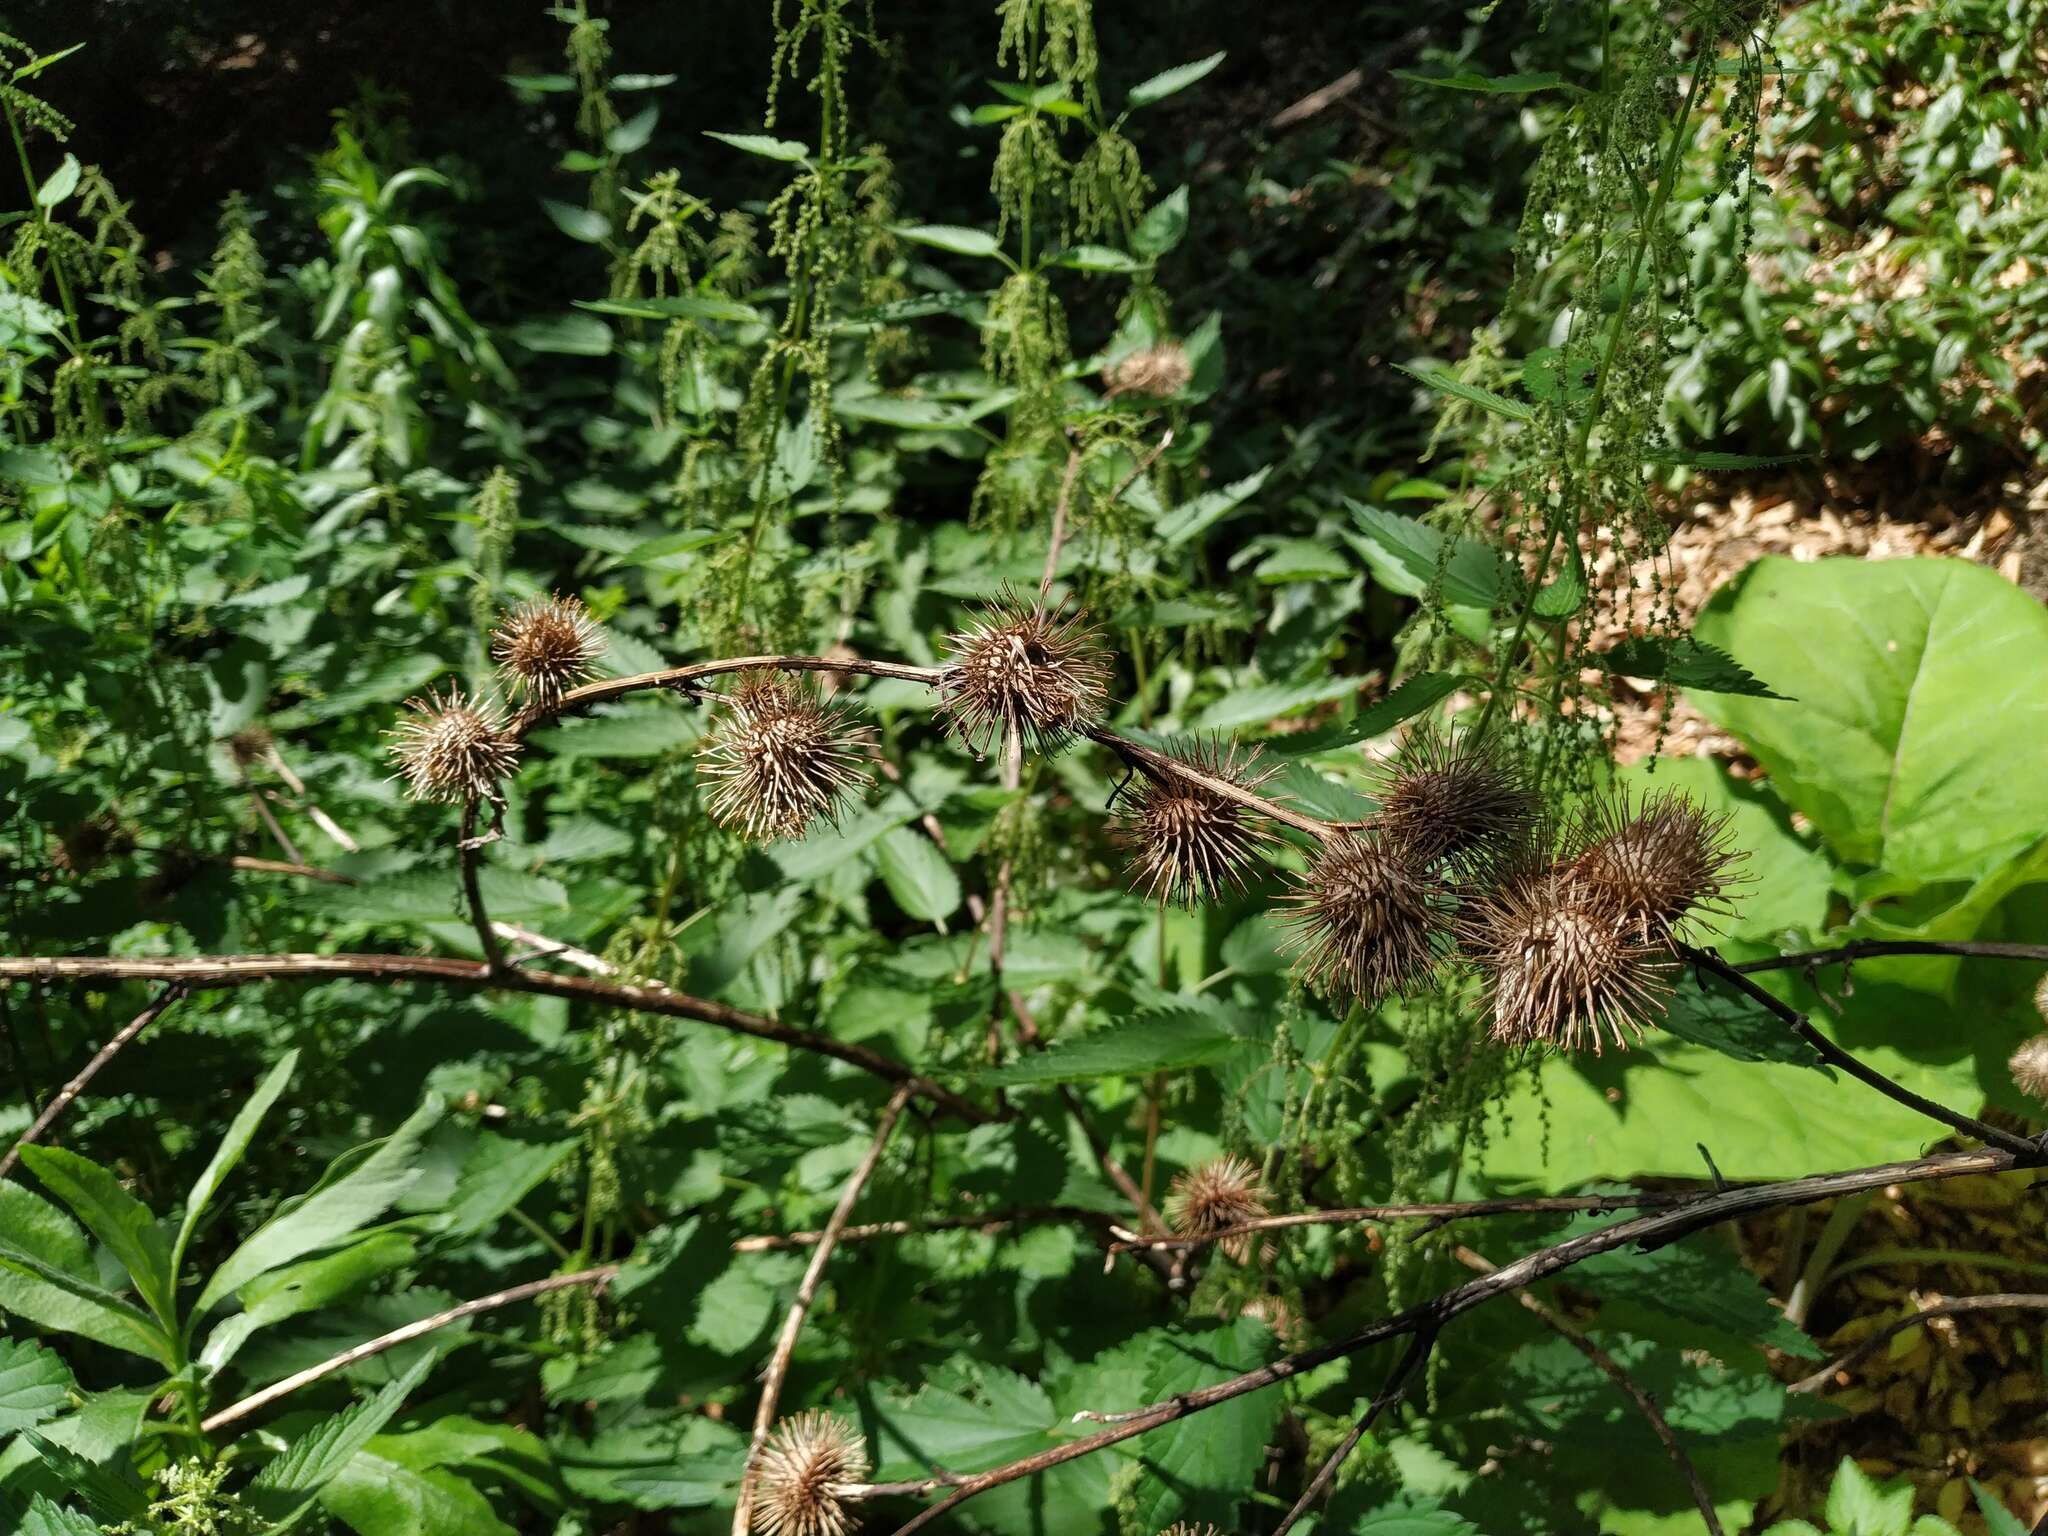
[(375, 1495), (1406, 556), (1272, 701), (1701, 1280), (1708, 1011), (639, 730), (1197, 515), (918, 876), (1200, 1466), (634, 132), (1163, 1041), (1998, 1520), (669, 1459), (949, 237), (1492, 85), (766, 145), (1411, 698), (61, 183), (306, 1287), (1679, 458), (680, 306), (498, 1173), (286, 1488), (1168, 81), (584, 224), (233, 1144), (1096, 258), (109, 1488), (1684, 662), (47, 1519), (47, 1277), (1859, 1507), (116, 1218), (991, 1416), (343, 1203), (1164, 225), (34, 1385), (1920, 744), (1444, 382), (569, 335)]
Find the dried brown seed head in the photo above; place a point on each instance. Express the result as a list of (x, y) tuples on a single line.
[(451, 748), (1027, 670), (1188, 842), (1370, 918), (1222, 1193), (250, 746), (1457, 797), (802, 1466), (2029, 1066), (1189, 1528), (1562, 967), (781, 759), (2041, 998), (85, 845), (1159, 371), (1281, 1320), (1658, 865), (545, 647)]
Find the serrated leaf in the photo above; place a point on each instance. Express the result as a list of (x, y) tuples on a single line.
[(286, 1488), (1685, 663), (1197, 515), (1265, 702), (680, 306), (375, 1495), (109, 1488), (46, 1276), (957, 238), (497, 1175), (1200, 1466), (766, 145), (1407, 556), (1444, 382), (1164, 1041), (1859, 1506), (47, 1519), (1413, 696), (115, 1217), (1491, 85), (35, 1385), (1168, 81), (1701, 1280), (1708, 1011)]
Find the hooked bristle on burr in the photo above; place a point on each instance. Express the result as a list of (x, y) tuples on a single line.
[(1188, 842), (1454, 796), (1222, 1193), (2029, 1067), (1024, 670), (1370, 918), (1561, 964), (1658, 865), (1160, 371), (545, 647), (802, 1467), (781, 759), (452, 748)]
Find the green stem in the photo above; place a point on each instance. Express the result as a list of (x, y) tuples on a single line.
[(1646, 237), (75, 332)]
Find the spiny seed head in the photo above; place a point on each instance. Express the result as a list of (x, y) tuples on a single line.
[(1040, 673), (2029, 1066), (1664, 862), (451, 748), (545, 647), (1561, 966), (781, 759), (1159, 371), (1280, 1318), (802, 1466), (1224, 1192), (250, 745), (1189, 1528), (1455, 797), (1369, 917), (1188, 843)]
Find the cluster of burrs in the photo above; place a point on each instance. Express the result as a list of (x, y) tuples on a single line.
[(1573, 931)]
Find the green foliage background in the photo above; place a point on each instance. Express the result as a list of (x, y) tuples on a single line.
[(580, 313)]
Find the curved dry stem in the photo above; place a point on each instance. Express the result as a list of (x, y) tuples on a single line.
[(684, 678), (215, 972), (71, 1090), (2001, 1301)]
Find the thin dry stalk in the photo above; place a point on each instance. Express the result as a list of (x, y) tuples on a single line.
[(71, 1090), (600, 1275), (2001, 1301), (806, 1293), (1397, 1384)]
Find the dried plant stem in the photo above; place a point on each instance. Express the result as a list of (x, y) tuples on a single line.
[(807, 1292), (991, 1222), (254, 866), (1435, 1212), (468, 846), (1606, 1365), (291, 852), (1861, 949), (600, 1275), (1708, 1209), (1059, 525), (210, 972), (683, 677), (1396, 1384), (71, 1090), (1159, 763), (2003, 1301), (1840, 1059)]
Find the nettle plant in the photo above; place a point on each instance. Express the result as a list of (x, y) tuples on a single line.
[(1407, 941)]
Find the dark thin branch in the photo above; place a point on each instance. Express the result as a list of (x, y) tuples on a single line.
[(1607, 1366), (1436, 1213), (467, 846), (1870, 949), (2003, 1301), (77, 1085), (1648, 1231), (1161, 765), (212, 972), (1842, 1061), (1397, 1384), (681, 678), (601, 1275)]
